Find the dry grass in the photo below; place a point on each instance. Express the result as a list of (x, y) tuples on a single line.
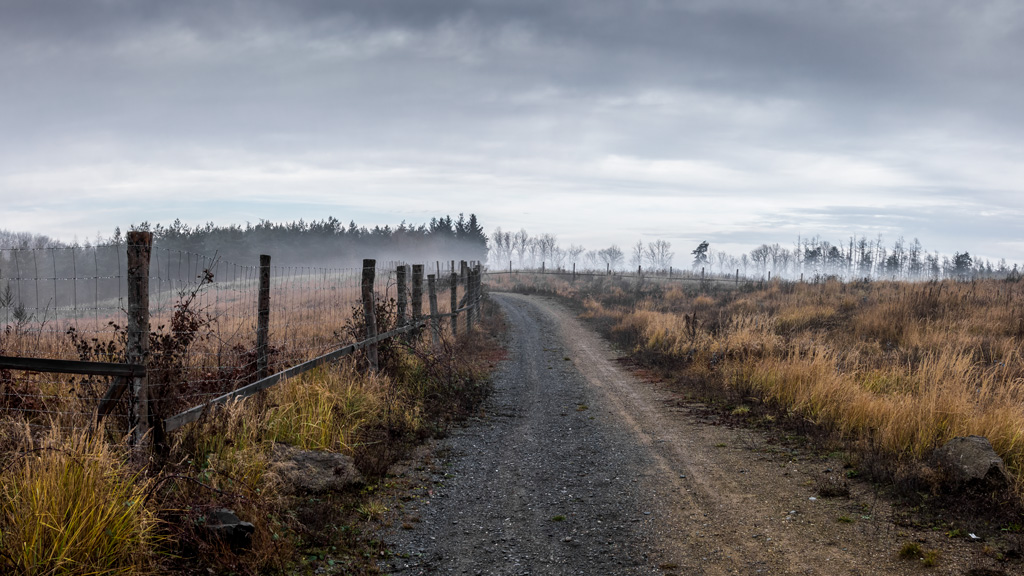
[(899, 367)]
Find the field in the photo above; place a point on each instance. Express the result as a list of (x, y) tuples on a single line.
[(891, 370), (76, 499)]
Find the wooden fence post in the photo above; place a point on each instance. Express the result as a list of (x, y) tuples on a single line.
[(542, 267), (263, 319), (417, 292), (455, 301), (737, 277), (470, 299), (435, 321), (464, 274), (140, 246), (403, 293), (369, 315), (509, 268), (478, 291), (573, 271)]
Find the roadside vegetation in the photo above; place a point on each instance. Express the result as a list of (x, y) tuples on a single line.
[(75, 499), (892, 370)]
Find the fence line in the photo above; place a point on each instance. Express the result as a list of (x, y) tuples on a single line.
[(215, 327)]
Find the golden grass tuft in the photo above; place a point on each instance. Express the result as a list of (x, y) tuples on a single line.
[(72, 504)]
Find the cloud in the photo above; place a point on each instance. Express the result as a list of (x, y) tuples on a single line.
[(598, 120)]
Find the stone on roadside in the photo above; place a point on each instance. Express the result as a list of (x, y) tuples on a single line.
[(970, 461), (225, 526), (312, 471)]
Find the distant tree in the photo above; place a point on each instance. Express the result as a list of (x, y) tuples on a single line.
[(962, 264), (759, 256), (612, 256), (520, 245), (659, 254), (558, 256), (500, 247), (636, 257), (700, 255), (546, 246), (574, 252)]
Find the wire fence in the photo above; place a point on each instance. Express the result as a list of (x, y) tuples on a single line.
[(73, 304)]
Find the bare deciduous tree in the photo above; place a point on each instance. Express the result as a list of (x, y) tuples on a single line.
[(636, 257), (659, 254), (612, 256), (574, 252), (520, 245)]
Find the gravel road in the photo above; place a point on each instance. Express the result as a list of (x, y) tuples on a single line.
[(577, 467)]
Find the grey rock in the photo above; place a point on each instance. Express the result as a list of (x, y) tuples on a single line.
[(312, 471), (971, 461), (225, 525)]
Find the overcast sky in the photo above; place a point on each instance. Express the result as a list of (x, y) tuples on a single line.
[(733, 121)]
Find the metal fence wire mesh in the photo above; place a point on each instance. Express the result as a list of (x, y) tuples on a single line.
[(71, 304)]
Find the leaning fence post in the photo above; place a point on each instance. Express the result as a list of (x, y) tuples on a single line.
[(140, 245), (455, 301), (417, 292), (369, 316), (263, 319), (402, 294), (435, 321)]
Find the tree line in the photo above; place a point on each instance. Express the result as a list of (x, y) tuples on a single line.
[(859, 257), (327, 242)]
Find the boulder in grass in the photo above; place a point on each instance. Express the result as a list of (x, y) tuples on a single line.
[(970, 461), (225, 525), (312, 471)]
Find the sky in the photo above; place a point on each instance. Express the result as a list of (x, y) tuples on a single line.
[(739, 122)]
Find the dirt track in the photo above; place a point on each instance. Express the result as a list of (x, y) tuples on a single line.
[(578, 467)]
